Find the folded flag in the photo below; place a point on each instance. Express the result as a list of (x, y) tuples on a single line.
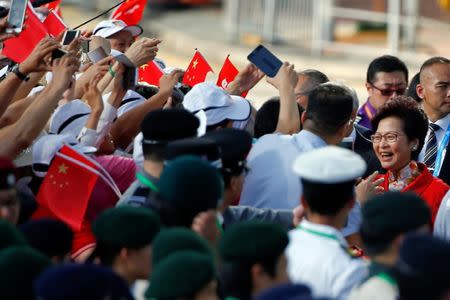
[(131, 12), (19, 47), (150, 73), (54, 24), (197, 70)]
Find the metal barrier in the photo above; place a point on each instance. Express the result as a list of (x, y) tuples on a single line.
[(272, 20), (309, 24)]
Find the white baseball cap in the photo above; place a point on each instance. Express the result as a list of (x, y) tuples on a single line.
[(329, 165), (45, 148), (217, 104), (107, 28), (70, 118)]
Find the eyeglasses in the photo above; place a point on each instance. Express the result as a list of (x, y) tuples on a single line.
[(390, 92), (390, 137)]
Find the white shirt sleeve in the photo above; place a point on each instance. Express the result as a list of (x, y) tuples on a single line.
[(104, 124), (88, 137), (442, 223)]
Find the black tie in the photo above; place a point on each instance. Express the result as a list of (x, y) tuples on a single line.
[(431, 150)]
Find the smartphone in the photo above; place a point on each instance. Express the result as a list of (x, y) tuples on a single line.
[(97, 55), (69, 36), (129, 78), (85, 46), (265, 60), (16, 16), (58, 53)]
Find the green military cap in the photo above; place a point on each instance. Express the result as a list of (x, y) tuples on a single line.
[(392, 213), (190, 183), (252, 240), (10, 235), (180, 275), (19, 267), (177, 239), (126, 226)]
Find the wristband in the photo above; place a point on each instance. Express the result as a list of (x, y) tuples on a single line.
[(111, 72)]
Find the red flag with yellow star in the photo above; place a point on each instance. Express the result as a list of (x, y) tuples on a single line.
[(67, 187), (197, 70), (150, 73)]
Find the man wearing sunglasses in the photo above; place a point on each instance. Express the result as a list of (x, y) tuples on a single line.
[(387, 77)]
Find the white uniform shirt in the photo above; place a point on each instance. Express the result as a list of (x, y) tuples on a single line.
[(442, 221), (317, 257), (271, 182)]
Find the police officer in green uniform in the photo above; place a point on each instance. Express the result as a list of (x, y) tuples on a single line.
[(387, 218), (252, 259), (124, 237), (158, 128), (184, 275)]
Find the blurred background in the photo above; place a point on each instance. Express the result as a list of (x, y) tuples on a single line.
[(338, 37)]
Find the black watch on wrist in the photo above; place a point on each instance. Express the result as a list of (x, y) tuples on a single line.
[(19, 74)]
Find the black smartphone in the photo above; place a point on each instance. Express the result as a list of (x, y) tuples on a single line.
[(69, 36), (85, 46), (265, 61), (129, 78), (58, 53), (16, 16)]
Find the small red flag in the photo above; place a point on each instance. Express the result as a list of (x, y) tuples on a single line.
[(54, 24), (227, 75), (67, 187), (19, 47), (150, 73), (197, 70), (130, 12)]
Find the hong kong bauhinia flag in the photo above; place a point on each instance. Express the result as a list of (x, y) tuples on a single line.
[(227, 74), (131, 11), (197, 70)]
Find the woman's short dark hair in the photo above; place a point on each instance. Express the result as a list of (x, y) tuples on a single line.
[(415, 121)]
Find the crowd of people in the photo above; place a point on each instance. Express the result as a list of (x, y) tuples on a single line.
[(172, 192)]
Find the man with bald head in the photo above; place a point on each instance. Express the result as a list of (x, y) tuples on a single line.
[(307, 81), (434, 90)]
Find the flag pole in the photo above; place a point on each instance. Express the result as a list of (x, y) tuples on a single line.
[(102, 14)]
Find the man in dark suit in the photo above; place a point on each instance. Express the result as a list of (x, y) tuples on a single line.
[(434, 89)]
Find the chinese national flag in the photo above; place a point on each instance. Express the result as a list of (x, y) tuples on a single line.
[(227, 75), (150, 73), (54, 24), (67, 187), (197, 70), (18, 48), (130, 12)]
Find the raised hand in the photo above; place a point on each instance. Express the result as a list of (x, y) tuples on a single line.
[(168, 81), (286, 77), (64, 69), (142, 51), (92, 94), (245, 80), (39, 59)]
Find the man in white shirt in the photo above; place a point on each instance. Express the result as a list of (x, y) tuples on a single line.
[(318, 253)]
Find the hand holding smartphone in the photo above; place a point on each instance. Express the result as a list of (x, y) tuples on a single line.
[(16, 16), (97, 55), (69, 36), (265, 61)]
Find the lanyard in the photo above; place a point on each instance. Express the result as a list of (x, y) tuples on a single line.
[(441, 152), (325, 235), (144, 180)]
